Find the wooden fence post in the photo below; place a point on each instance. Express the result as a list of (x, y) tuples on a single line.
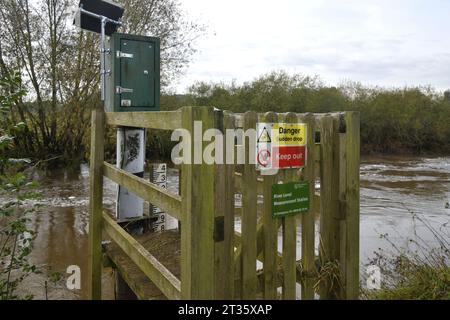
[(96, 204), (289, 226), (341, 142), (228, 261), (249, 216), (329, 195), (223, 212), (202, 232), (308, 224), (352, 146), (270, 230)]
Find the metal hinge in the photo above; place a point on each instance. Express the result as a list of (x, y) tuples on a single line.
[(120, 54), (120, 90)]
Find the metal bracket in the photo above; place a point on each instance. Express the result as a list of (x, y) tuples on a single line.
[(120, 90), (120, 54)]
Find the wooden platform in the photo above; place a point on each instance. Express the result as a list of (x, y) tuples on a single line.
[(164, 246)]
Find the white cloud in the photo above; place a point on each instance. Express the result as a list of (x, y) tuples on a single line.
[(378, 42)]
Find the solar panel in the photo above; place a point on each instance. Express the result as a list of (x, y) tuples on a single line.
[(104, 8)]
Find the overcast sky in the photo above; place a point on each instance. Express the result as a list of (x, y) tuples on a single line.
[(376, 42)]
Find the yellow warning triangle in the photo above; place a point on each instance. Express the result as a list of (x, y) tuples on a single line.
[(264, 136)]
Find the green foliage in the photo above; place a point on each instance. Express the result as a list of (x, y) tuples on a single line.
[(412, 120), (418, 282), (329, 276), (10, 92), (55, 277), (16, 239)]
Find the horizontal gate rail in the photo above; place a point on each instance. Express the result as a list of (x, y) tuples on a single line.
[(148, 191), (169, 285), (163, 120)]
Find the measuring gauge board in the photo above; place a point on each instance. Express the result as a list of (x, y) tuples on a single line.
[(133, 73), (130, 157), (160, 220)]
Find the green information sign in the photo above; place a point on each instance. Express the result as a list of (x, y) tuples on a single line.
[(290, 199)]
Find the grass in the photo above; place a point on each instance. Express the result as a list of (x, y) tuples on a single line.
[(422, 273), (416, 280)]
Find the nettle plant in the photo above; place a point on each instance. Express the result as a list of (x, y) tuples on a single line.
[(16, 239)]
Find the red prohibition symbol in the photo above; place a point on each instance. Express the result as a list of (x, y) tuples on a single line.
[(264, 157)]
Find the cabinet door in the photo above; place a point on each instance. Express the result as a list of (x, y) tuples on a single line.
[(137, 73)]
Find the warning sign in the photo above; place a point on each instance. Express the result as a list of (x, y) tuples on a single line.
[(281, 145), (289, 157), (289, 134), (264, 156), (264, 136)]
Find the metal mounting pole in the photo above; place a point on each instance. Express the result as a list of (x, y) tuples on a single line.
[(103, 51), (102, 57)]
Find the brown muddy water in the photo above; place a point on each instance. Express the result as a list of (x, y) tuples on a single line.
[(395, 192)]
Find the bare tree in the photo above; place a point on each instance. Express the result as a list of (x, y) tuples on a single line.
[(166, 20), (59, 65)]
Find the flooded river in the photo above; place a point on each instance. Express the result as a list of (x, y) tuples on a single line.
[(394, 190)]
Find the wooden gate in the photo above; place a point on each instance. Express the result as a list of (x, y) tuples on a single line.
[(311, 255)]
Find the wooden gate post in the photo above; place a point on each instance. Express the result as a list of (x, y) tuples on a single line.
[(289, 226), (352, 146), (329, 196), (270, 229), (203, 223), (249, 215), (229, 198), (96, 204), (308, 223)]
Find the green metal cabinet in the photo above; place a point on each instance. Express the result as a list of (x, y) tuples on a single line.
[(133, 83)]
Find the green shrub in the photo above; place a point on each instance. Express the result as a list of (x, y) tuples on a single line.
[(16, 239)]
